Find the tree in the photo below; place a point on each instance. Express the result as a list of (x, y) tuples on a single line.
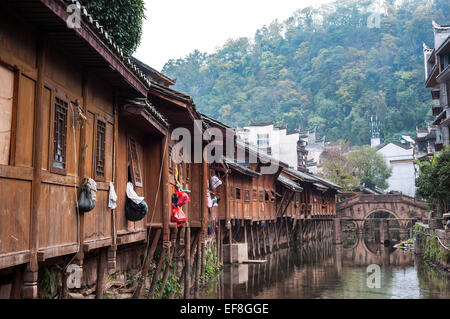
[(122, 19), (433, 183), (369, 166), (322, 68), (336, 168)]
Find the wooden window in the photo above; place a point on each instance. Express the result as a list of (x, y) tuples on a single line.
[(6, 112), (238, 193), (255, 195), (60, 136), (272, 196), (188, 172), (134, 162), (247, 195), (231, 191), (100, 151), (261, 195)]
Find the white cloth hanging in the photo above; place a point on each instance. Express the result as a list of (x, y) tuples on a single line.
[(215, 182), (112, 202), (131, 194)]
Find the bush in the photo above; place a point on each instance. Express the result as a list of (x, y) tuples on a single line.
[(122, 19)]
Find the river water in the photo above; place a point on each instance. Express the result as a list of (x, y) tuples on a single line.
[(325, 270)]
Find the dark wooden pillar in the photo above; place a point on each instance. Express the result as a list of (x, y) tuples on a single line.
[(101, 272), (30, 276), (187, 263), (148, 259)]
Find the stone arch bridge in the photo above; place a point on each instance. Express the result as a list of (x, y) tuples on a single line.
[(401, 208)]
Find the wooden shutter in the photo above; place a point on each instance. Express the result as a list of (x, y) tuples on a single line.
[(134, 162)]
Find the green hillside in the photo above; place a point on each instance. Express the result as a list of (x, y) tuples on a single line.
[(326, 68)]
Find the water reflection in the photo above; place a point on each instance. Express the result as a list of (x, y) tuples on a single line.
[(324, 270)]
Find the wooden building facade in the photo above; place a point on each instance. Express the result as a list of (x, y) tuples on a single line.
[(73, 108)]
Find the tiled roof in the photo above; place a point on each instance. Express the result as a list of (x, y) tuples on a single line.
[(289, 183), (239, 167)]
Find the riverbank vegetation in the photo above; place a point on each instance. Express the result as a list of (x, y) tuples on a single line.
[(433, 183)]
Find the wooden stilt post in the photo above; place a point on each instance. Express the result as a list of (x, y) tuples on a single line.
[(192, 249), (157, 272), (101, 271), (148, 259), (245, 230), (230, 243), (172, 250), (287, 231), (264, 239), (300, 231), (252, 239), (276, 233), (220, 242), (203, 264), (197, 268), (187, 263), (270, 238), (258, 246)]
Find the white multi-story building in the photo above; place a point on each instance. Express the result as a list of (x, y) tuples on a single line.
[(275, 141), (400, 157)]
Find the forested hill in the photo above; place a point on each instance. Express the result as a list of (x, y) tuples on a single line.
[(322, 68)]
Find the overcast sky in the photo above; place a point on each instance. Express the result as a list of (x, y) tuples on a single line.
[(174, 28)]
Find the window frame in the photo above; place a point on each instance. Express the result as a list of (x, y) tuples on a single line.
[(247, 195), (12, 135), (65, 98), (238, 193), (101, 119), (134, 164)]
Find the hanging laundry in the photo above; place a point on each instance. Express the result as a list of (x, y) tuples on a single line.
[(215, 182), (215, 201), (208, 200), (112, 198), (183, 198), (178, 216), (131, 194)]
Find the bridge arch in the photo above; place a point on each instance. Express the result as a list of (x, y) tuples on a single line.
[(381, 209)]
